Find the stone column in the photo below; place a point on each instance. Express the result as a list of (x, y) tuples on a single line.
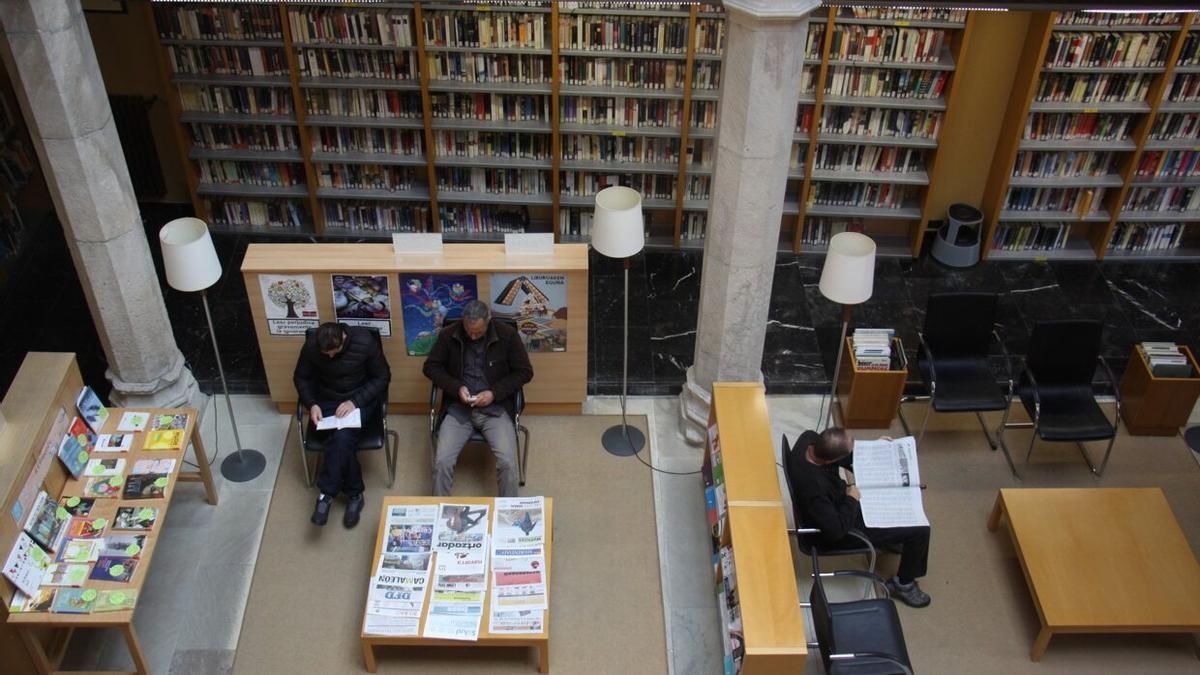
[(48, 51), (760, 79)]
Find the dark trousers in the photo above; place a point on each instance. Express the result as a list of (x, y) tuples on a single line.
[(340, 470), (914, 548)]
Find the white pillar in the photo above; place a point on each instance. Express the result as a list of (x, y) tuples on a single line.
[(760, 79), (48, 51)]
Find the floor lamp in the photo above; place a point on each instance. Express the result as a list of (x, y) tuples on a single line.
[(192, 265), (618, 232), (847, 279)]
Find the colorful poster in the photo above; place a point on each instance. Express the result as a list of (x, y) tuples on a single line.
[(363, 300), (290, 302), (427, 301), (537, 303)]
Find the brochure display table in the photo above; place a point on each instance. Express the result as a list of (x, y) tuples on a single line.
[(1073, 541), (870, 399), (46, 634), (540, 641), (1157, 406)]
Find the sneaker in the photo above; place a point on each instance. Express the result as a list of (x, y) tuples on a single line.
[(353, 508), (910, 594), (320, 513)]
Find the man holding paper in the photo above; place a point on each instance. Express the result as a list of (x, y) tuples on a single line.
[(827, 503), (341, 370)]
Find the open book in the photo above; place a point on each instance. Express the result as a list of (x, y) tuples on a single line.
[(890, 482), (352, 420)]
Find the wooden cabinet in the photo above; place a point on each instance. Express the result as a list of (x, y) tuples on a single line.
[(1157, 406), (870, 399)]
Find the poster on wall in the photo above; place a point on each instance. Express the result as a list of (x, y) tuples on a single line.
[(290, 302), (537, 303), (427, 301), (363, 300)]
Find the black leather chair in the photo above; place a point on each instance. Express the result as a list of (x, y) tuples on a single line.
[(375, 434), (861, 636), (1056, 390), (953, 357)]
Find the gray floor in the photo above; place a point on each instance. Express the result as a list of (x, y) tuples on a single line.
[(190, 613)]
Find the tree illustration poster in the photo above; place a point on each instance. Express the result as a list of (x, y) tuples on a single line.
[(427, 301), (363, 300), (290, 301), (537, 303)]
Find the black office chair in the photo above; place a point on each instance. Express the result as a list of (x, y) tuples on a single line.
[(861, 636), (437, 414), (375, 434), (953, 358), (1056, 390)]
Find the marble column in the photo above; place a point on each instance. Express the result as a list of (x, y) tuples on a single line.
[(48, 51), (760, 76)]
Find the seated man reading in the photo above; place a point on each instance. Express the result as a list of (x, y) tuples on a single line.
[(828, 504), (341, 368), (479, 364)]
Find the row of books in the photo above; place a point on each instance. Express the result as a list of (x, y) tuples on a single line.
[(796, 158), (210, 59), (1121, 49), (622, 111), (814, 41), (598, 32), (1119, 19), (350, 26), (697, 187), (365, 176), (620, 149), (837, 157), (241, 100), (218, 22), (406, 142), (651, 74), (1169, 126), (1184, 87), (693, 225), (1077, 126), (272, 137), (1081, 201), (490, 106), (344, 63), (804, 113), (490, 30), (1166, 359), (1031, 236), (586, 184), (375, 216), (1093, 87), (481, 67), (872, 348), (904, 14), (1141, 237), (273, 174), (885, 82), (1189, 52), (818, 230), (494, 144), (881, 122), (257, 213), (710, 36), (375, 103), (1068, 164), (869, 195), (575, 222), (494, 181), (1171, 163), (877, 44), (1176, 198), (467, 219)]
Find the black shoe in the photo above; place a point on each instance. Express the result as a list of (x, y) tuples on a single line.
[(354, 507), (321, 512), (910, 594)]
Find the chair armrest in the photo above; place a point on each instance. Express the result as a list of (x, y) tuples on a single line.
[(928, 359), (1116, 391), (433, 407), (803, 530), (1037, 397), (1007, 362), (873, 655), (863, 537), (299, 411), (874, 578)]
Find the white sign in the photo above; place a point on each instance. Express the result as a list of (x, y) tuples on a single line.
[(531, 243), (420, 243)]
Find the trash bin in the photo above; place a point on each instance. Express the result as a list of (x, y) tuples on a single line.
[(957, 242)]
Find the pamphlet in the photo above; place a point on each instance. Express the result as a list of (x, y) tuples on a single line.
[(74, 600), (158, 466), (93, 411), (26, 564), (45, 522), (102, 488), (114, 601), (164, 439), (352, 420), (110, 568), (890, 483), (113, 442), (135, 518), (133, 421), (169, 421), (65, 574), (77, 506), (80, 551), (74, 450), (398, 588), (105, 467), (146, 486)]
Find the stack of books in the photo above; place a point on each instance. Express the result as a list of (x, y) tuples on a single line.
[(873, 348), (1166, 359)]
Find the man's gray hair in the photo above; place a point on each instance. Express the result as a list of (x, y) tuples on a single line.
[(476, 310)]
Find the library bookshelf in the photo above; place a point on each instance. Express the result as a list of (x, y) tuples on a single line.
[(1098, 149)]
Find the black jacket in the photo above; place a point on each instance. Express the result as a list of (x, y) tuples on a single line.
[(507, 365), (821, 493), (359, 373)]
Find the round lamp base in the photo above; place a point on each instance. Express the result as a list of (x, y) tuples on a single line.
[(243, 466), (616, 442)]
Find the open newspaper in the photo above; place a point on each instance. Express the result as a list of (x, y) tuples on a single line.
[(890, 482)]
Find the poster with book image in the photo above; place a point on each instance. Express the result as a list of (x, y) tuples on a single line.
[(889, 481), (290, 303), (363, 300), (537, 304), (93, 411), (427, 301)]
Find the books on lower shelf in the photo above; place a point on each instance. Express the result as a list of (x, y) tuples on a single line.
[(1142, 237), (873, 348), (1031, 236), (1166, 359)]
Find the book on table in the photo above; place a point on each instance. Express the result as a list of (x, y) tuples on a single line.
[(890, 482)]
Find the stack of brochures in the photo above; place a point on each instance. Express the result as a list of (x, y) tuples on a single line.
[(873, 348), (1166, 359)]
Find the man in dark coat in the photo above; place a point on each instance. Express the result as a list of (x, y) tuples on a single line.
[(341, 368), (479, 364), (829, 505)]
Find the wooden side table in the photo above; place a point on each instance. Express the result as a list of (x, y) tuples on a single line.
[(1157, 406), (870, 399)]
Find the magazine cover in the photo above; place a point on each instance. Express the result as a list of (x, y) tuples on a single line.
[(145, 486), (93, 411), (537, 304), (74, 600), (427, 301), (77, 506), (109, 568), (76, 446), (363, 301), (290, 303)]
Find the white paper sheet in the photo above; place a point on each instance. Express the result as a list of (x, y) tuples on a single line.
[(353, 420), (893, 507)]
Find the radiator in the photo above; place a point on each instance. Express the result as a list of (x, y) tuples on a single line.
[(132, 117)]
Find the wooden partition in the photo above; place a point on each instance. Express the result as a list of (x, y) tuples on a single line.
[(560, 378)]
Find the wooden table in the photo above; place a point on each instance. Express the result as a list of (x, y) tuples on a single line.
[(541, 641), (29, 624), (1102, 560)]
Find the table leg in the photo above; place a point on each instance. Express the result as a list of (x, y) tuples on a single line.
[(135, 649), (369, 656), (1040, 644), (544, 657), (997, 514), (36, 652), (205, 469)]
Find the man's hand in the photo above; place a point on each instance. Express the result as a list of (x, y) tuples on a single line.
[(464, 395), (889, 439), (484, 398), (315, 413), (345, 408), (853, 492)]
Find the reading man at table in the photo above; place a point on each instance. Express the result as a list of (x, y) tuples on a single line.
[(479, 364), (828, 504), (340, 368)]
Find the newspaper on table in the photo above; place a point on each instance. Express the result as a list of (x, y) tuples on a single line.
[(460, 542), (890, 482), (518, 596), (397, 592)]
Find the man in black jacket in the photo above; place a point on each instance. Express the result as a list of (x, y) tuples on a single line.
[(341, 368), (829, 505), (479, 365)]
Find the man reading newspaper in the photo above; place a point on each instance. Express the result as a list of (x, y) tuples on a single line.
[(827, 503)]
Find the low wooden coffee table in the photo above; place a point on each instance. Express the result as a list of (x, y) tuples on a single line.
[(1102, 560)]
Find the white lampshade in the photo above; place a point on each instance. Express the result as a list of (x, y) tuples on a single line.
[(849, 273), (188, 255), (617, 227)]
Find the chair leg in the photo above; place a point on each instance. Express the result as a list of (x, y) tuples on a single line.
[(1097, 472), (925, 422), (390, 452), (1029, 452), (1004, 446), (986, 434), (523, 457), (900, 413)]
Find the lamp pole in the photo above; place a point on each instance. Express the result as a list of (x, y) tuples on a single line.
[(246, 464)]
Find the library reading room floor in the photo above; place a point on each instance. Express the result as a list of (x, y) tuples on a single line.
[(190, 614)]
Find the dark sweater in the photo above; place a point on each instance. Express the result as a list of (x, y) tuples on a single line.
[(821, 493), (359, 373), (505, 363)]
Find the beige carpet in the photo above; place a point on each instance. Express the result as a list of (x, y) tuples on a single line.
[(310, 584), (982, 619)]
